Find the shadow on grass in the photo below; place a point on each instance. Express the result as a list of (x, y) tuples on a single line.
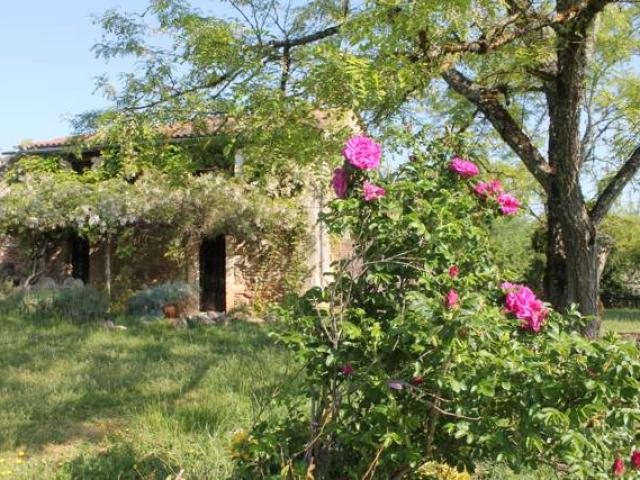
[(120, 461), (64, 382)]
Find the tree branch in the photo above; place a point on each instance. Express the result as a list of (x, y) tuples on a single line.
[(226, 78), (589, 11), (487, 102), (615, 187), (305, 39)]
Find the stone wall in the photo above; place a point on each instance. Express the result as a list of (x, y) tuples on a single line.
[(250, 275), (13, 259), (150, 266)]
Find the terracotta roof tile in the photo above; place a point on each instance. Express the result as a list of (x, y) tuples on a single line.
[(177, 130)]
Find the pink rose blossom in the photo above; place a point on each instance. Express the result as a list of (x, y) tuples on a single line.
[(452, 299), (339, 182), (618, 467), (454, 271), (372, 192), (524, 304), (481, 189), (362, 152), (509, 205), (635, 459), (347, 370), (509, 286), (464, 168), (495, 187), (492, 189)]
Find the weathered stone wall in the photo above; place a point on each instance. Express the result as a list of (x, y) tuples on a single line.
[(250, 275), (11, 258), (149, 266), (146, 267), (56, 264)]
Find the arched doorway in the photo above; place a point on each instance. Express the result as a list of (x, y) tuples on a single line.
[(212, 274)]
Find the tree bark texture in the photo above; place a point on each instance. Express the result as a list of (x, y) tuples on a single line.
[(567, 204)]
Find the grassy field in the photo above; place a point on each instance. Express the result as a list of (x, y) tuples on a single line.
[(86, 402), (622, 320), (91, 403)]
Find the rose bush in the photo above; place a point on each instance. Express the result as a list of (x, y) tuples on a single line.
[(417, 354)]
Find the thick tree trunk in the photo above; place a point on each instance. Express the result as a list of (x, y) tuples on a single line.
[(566, 204), (571, 275), (582, 272), (555, 274)]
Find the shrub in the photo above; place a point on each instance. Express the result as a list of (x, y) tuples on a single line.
[(149, 302), (418, 355), (78, 305)]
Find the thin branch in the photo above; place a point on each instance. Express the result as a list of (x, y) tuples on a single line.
[(615, 187), (590, 9), (225, 78), (286, 67), (306, 39), (488, 103)]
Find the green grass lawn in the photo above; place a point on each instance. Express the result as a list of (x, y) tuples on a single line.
[(622, 320), (86, 402), (91, 403)]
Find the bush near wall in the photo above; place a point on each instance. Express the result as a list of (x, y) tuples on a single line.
[(78, 305)]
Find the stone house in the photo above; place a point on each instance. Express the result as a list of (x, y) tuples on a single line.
[(217, 267)]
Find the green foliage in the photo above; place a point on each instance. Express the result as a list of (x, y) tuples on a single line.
[(510, 243), (395, 377), (149, 302), (79, 304), (33, 164), (622, 271)]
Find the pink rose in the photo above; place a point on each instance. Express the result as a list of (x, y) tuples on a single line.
[(488, 189), (339, 182), (463, 167), (347, 370), (635, 459), (452, 299), (524, 304), (362, 152), (495, 187), (509, 205), (481, 189), (618, 467), (372, 192), (454, 271)]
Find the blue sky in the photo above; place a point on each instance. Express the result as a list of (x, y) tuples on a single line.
[(47, 70)]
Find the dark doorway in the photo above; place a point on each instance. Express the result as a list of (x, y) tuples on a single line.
[(212, 274), (79, 258)]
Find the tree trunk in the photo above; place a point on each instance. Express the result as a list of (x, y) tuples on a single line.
[(571, 275), (107, 265), (565, 203), (582, 272), (555, 274)]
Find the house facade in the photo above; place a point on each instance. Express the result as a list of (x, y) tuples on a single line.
[(218, 267)]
